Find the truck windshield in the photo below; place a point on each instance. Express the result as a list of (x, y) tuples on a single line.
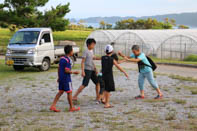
[(25, 37)]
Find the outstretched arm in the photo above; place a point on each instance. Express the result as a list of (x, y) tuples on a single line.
[(128, 58), (121, 61), (116, 64), (96, 58), (122, 55), (133, 60)]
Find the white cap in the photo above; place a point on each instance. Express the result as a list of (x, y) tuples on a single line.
[(109, 49)]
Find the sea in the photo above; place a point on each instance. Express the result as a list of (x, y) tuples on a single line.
[(97, 25)]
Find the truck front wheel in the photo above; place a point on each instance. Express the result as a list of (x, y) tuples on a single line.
[(45, 65), (18, 68)]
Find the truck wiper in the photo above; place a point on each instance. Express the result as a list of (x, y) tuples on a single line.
[(29, 43), (17, 43)]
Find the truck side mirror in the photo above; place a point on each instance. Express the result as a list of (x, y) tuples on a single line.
[(42, 41)]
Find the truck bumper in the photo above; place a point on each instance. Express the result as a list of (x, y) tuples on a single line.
[(23, 60)]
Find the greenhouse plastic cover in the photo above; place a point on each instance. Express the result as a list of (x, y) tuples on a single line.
[(154, 38)]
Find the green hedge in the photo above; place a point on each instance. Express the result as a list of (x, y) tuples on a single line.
[(191, 58)]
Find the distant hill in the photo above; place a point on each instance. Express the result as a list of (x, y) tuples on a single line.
[(189, 19)]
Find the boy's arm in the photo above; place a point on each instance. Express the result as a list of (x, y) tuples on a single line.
[(128, 58), (133, 59), (116, 64), (121, 61), (68, 71), (58, 72), (123, 56), (96, 58), (82, 67)]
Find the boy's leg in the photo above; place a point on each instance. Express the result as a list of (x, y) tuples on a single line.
[(95, 80), (69, 97), (79, 90), (141, 79), (97, 91), (72, 108), (53, 106), (85, 82), (151, 80), (107, 97)]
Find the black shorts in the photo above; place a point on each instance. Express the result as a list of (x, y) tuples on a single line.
[(90, 75)]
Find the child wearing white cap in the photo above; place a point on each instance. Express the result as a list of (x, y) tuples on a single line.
[(107, 73)]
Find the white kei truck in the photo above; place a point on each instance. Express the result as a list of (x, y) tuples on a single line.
[(34, 47)]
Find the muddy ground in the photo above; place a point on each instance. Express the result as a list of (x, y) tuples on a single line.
[(25, 102)]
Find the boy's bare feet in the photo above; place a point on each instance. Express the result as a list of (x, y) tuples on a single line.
[(54, 109), (74, 109), (109, 106)]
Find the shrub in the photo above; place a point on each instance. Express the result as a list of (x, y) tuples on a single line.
[(192, 58), (12, 28)]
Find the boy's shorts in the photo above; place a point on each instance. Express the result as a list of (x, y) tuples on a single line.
[(67, 87), (90, 75)]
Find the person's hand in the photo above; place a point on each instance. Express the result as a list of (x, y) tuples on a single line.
[(83, 74), (76, 72), (127, 59), (96, 71), (126, 75), (120, 54)]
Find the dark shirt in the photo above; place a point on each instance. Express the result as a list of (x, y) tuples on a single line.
[(115, 56), (107, 65)]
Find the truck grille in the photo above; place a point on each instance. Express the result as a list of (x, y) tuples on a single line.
[(19, 51), (19, 60)]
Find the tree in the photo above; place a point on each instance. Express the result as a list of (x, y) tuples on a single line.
[(25, 13), (102, 24), (109, 26), (183, 27), (143, 24), (173, 22), (166, 20)]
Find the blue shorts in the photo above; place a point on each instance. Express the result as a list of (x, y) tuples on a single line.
[(65, 86)]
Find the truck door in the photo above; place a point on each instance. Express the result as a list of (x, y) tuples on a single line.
[(46, 47)]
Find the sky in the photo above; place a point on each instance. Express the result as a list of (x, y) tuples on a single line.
[(94, 8)]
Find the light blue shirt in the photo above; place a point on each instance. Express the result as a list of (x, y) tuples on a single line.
[(142, 57)]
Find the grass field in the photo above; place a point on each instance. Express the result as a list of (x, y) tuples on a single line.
[(8, 72), (157, 60)]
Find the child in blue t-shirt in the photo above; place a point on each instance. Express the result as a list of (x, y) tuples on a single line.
[(64, 79), (145, 71)]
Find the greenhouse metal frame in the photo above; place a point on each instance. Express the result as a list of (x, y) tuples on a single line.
[(165, 44)]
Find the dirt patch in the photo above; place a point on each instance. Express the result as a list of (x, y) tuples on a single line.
[(25, 102)]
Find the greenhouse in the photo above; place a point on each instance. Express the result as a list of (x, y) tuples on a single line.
[(173, 44), (103, 38), (179, 46)]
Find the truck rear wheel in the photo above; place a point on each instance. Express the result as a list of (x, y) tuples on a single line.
[(45, 65), (18, 68)]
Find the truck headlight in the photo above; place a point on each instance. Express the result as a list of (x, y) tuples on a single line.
[(31, 51), (9, 51)]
